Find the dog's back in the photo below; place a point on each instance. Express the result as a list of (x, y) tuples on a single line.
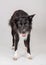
[(20, 13)]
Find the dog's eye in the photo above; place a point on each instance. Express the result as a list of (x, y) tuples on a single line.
[(26, 23), (20, 23)]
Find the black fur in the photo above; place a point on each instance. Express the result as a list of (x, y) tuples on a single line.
[(27, 43), (21, 22)]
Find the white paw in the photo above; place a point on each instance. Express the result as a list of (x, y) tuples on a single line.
[(15, 56), (29, 56)]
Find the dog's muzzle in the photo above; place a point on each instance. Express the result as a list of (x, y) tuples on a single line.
[(23, 35)]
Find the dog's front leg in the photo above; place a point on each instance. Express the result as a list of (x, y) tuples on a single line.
[(16, 40), (27, 44)]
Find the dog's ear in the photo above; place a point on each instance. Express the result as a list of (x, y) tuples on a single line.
[(30, 17)]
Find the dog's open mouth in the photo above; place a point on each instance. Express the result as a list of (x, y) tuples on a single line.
[(23, 35)]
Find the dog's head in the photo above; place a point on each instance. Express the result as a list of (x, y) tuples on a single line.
[(24, 24)]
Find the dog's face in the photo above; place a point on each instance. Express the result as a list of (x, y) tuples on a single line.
[(24, 24)]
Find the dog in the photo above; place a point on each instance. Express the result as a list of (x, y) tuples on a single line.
[(21, 25)]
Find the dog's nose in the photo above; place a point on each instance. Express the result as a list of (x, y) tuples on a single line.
[(23, 32)]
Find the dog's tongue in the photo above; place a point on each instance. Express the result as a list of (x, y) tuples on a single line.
[(23, 35)]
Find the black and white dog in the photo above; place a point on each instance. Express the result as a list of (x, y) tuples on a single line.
[(21, 25)]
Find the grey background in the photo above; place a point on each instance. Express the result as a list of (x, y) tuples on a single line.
[(38, 34)]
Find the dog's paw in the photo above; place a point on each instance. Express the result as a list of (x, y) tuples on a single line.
[(29, 56), (15, 56), (13, 47)]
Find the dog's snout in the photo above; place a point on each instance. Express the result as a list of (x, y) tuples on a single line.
[(23, 31)]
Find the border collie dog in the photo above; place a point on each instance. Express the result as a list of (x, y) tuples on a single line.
[(21, 25)]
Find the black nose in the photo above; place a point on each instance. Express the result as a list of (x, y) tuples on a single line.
[(23, 32)]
